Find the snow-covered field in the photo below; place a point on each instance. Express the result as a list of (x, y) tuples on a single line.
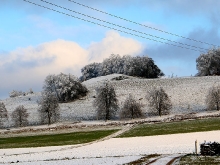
[(111, 151), (187, 95)]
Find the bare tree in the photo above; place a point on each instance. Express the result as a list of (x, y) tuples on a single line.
[(20, 116), (213, 98), (15, 93), (49, 108), (3, 114), (131, 108), (106, 102), (159, 101)]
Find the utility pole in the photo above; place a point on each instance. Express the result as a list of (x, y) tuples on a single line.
[(196, 147)]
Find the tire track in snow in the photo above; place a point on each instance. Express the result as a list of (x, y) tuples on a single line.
[(165, 160)]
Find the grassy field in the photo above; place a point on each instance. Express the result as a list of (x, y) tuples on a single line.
[(54, 140), (199, 160), (174, 127)]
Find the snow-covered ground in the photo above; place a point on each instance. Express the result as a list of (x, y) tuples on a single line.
[(187, 95), (111, 151)]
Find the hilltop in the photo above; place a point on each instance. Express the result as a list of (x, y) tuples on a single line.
[(187, 95)]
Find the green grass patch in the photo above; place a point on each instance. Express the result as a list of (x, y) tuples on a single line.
[(54, 140), (174, 127), (199, 160)]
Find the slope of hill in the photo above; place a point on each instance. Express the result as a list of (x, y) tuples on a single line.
[(187, 95)]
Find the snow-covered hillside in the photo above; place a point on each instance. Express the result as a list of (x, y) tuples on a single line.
[(187, 95)]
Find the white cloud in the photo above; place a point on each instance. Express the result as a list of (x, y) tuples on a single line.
[(26, 68), (113, 43)]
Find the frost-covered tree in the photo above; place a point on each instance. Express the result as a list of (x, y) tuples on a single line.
[(15, 93), (111, 65), (106, 102), (127, 64), (30, 91), (91, 71), (140, 66), (208, 63), (143, 67), (3, 114), (49, 110), (159, 101), (152, 70), (20, 116), (65, 87), (213, 98), (131, 108)]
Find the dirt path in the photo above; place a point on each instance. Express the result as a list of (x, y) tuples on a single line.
[(124, 129)]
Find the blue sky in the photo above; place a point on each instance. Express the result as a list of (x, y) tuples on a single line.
[(35, 42)]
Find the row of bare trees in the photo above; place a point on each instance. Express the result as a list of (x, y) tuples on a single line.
[(48, 111), (56, 88), (106, 103), (19, 116)]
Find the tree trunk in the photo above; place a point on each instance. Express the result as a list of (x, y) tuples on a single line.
[(217, 106), (159, 109), (132, 113), (48, 115), (20, 120), (107, 114), (106, 106)]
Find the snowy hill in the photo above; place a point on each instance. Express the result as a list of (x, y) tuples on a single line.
[(187, 95)]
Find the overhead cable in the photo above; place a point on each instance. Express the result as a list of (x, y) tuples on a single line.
[(109, 27), (177, 35), (124, 27)]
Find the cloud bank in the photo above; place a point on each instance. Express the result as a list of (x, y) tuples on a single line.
[(26, 68), (182, 62)]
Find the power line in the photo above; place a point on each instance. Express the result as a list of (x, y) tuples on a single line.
[(141, 24), (124, 27), (108, 26)]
